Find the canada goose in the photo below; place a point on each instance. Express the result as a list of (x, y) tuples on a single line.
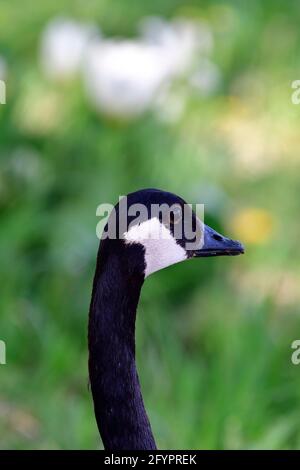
[(123, 262)]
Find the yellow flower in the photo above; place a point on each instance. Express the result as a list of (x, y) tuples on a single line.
[(253, 225)]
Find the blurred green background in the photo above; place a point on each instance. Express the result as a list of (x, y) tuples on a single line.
[(214, 335)]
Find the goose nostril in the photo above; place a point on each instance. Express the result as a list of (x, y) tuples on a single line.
[(217, 237)]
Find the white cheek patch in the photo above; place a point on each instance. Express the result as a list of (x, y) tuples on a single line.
[(161, 249)]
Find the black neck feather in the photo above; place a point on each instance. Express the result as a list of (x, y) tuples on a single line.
[(118, 402)]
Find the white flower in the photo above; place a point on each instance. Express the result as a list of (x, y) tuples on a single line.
[(63, 44), (123, 77), (179, 40)]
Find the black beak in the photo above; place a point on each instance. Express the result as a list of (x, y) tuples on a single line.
[(217, 245)]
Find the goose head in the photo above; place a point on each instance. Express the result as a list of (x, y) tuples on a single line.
[(152, 229)]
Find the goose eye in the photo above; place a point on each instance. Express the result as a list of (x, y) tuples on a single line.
[(176, 215)]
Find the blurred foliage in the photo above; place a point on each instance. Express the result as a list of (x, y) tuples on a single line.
[(214, 336)]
